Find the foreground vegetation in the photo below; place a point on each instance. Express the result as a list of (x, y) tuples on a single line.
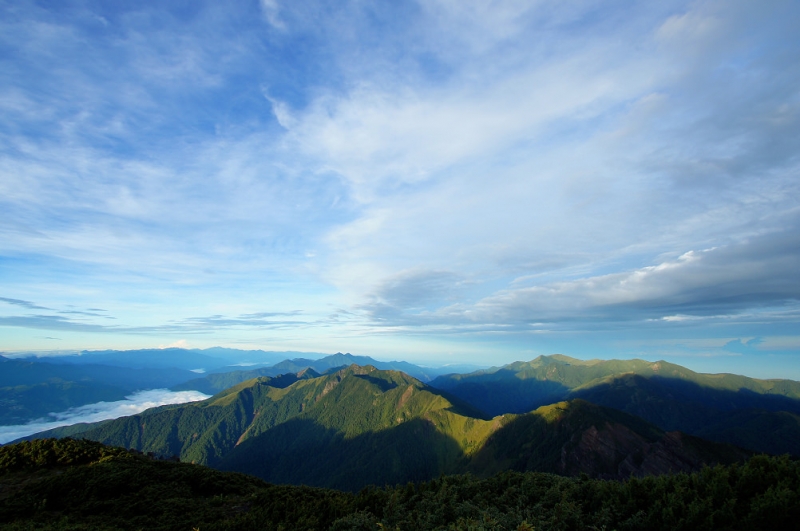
[(70, 484)]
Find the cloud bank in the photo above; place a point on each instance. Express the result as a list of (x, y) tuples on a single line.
[(136, 403)]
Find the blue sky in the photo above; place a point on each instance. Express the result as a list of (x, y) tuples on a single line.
[(437, 181)]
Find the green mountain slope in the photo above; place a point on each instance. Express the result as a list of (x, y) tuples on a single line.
[(576, 437), (202, 432), (367, 427), (670, 396), (361, 426)]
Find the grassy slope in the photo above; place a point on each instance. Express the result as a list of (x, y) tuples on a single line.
[(577, 437), (375, 427), (363, 426), (203, 432), (668, 395)]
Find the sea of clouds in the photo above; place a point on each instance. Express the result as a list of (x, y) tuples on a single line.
[(133, 404)]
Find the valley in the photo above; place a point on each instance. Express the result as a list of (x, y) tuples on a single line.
[(353, 426)]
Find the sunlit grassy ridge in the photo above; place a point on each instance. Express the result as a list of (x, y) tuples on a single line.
[(364, 426), (359, 426), (349, 403), (762, 415)]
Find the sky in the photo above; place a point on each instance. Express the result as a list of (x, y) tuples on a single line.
[(440, 181)]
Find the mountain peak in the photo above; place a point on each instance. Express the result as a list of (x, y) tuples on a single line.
[(355, 368), (308, 372)]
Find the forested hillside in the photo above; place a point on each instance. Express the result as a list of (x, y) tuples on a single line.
[(81, 485)]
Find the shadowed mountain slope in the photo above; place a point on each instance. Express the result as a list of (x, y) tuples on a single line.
[(576, 437), (670, 396), (361, 426), (367, 427)]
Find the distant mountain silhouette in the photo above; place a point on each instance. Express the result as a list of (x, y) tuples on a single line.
[(216, 382), (30, 389)]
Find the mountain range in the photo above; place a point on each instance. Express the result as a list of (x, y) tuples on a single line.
[(761, 415), (33, 387), (219, 381), (336, 423), (361, 425)]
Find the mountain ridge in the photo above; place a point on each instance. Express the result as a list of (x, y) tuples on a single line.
[(670, 396), (361, 425)]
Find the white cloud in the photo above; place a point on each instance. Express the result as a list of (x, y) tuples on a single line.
[(136, 403), (181, 343), (740, 282), (716, 281), (382, 137), (541, 158), (271, 9)]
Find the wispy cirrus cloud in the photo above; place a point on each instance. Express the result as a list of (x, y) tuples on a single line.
[(81, 321), (25, 304), (385, 170)]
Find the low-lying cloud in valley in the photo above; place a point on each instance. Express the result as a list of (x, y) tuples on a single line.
[(133, 404)]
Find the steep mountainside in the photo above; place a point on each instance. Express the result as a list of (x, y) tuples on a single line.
[(361, 426), (670, 396), (365, 427), (202, 432), (576, 437)]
